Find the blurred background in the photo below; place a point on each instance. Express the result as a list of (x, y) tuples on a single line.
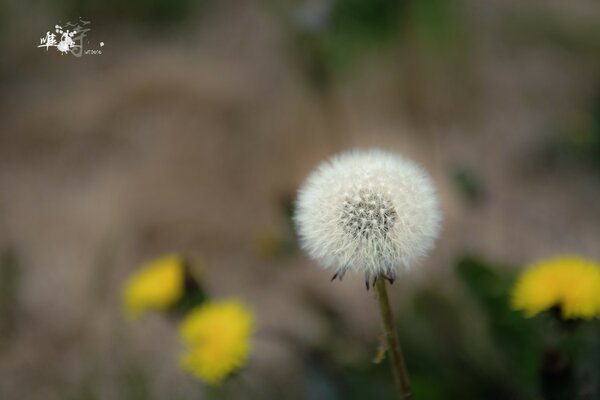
[(191, 133)]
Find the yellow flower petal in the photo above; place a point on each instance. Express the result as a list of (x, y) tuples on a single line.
[(218, 338), (157, 285), (570, 282)]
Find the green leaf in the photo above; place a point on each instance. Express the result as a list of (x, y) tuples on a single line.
[(517, 338)]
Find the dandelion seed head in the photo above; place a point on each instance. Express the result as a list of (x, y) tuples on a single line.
[(374, 212)]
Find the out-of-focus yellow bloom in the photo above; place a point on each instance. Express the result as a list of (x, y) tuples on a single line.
[(570, 282), (218, 337), (158, 285)]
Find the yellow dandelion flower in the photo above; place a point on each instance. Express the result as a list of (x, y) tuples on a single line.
[(158, 285), (218, 338), (570, 282)]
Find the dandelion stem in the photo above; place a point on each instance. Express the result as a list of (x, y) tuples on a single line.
[(397, 359)]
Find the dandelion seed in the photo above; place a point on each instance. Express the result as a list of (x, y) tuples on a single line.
[(373, 212)]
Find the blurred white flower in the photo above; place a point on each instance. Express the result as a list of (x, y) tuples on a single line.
[(372, 212)]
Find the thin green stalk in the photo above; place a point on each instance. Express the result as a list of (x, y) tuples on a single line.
[(397, 359)]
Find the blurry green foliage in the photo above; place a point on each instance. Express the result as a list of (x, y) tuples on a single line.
[(357, 24), (468, 184), (449, 357), (324, 379), (375, 18), (194, 293), (590, 361), (446, 357), (517, 337), (469, 346), (439, 26), (437, 352), (330, 41), (338, 367)]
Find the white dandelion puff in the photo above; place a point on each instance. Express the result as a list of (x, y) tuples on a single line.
[(372, 212)]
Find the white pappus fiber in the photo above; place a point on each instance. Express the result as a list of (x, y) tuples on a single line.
[(373, 212)]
